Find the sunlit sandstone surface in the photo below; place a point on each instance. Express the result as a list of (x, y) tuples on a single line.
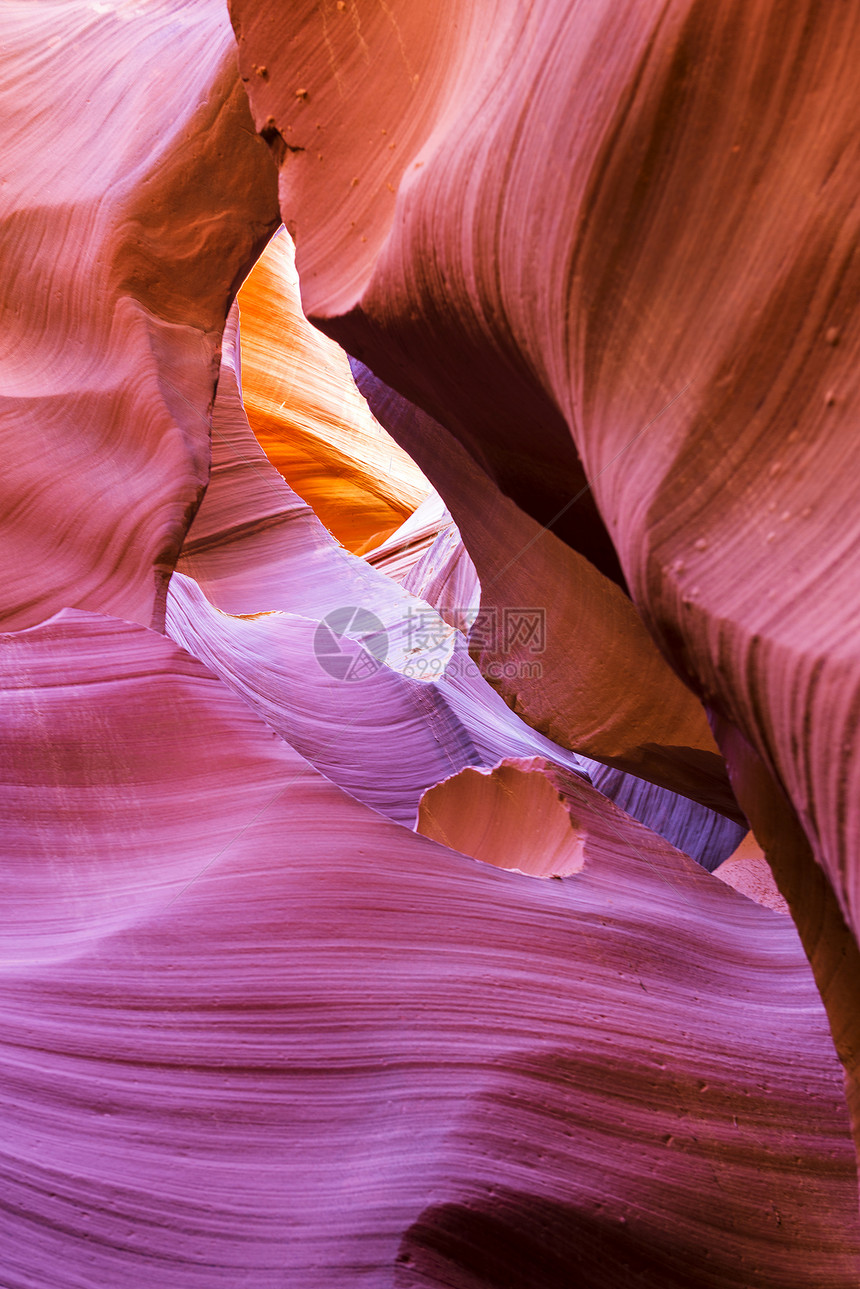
[(428, 660)]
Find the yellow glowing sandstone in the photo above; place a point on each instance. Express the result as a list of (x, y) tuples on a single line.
[(310, 419)]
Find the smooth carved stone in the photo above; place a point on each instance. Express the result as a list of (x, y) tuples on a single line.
[(638, 221), (236, 1002), (255, 552), (253, 1031), (309, 417), (260, 583), (594, 681), (128, 214)]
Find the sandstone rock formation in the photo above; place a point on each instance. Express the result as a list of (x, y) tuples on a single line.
[(307, 414), (595, 266), (276, 1035), (614, 246), (122, 247)]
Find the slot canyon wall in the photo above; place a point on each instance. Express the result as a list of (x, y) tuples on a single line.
[(381, 708)]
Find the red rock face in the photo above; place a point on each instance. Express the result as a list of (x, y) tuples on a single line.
[(595, 268), (121, 250), (636, 222)]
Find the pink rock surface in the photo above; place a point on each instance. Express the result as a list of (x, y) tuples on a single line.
[(299, 1041), (637, 222), (122, 244), (256, 1030)]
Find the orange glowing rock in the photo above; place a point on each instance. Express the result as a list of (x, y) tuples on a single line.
[(310, 419), (512, 816)]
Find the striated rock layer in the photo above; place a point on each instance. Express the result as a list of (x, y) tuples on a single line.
[(279, 1036), (256, 1029), (637, 221), (259, 578), (310, 419), (123, 241)]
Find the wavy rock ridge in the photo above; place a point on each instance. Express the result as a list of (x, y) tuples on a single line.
[(222, 1026), (594, 264), (621, 239)]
